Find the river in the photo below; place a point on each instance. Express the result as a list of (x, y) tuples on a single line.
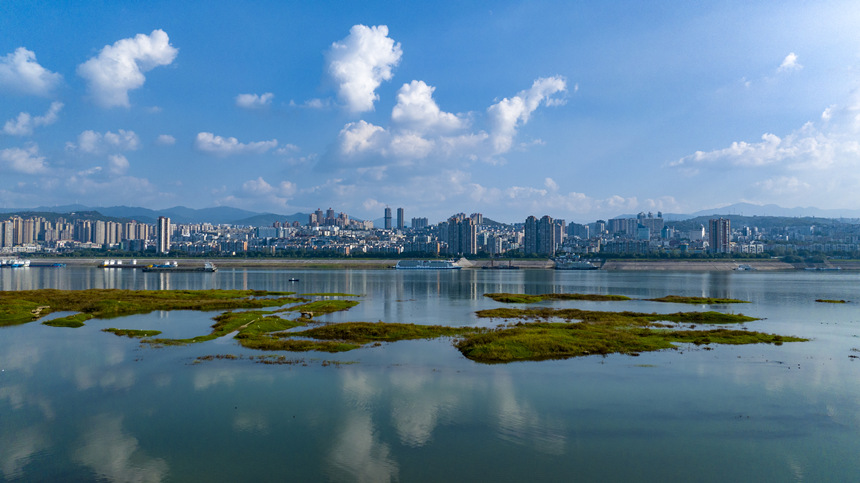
[(83, 405)]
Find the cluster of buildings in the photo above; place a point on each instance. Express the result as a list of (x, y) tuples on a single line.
[(327, 232)]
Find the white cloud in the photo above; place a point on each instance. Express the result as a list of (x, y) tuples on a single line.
[(287, 149), (25, 160), (97, 143), (119, 67), (508, 114), (20, 72), (210, 143), (360, 137), (789, 63), (254, 101), (416, 110), (117, 163), (783, 185), (24, 124), (165, 140), (360, 62)]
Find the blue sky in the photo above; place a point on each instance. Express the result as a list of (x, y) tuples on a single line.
[(579, 111)]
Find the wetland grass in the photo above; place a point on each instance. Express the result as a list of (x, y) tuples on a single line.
[(132, 333), (73, 321), (677, 299), (19, 307), (543, 340), (831, 301), (629, 317), (515, 298)]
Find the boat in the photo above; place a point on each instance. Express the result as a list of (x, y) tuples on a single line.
[(18, 263), (53, 265), (292, 280), (174, 267), (745, 268), (426, 265), (574, 264)]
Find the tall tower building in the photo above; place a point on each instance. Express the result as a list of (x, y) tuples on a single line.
[(387, 218), (530, 244), (401, 219), (546, 236), (163, 235), (719, 235), (462, 236)]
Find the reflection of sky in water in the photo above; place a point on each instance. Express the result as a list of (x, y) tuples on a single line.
[(91, 405)]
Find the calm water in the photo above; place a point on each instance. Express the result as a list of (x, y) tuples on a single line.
[(81, 405)]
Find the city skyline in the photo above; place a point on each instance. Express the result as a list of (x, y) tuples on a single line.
[(582, 112)]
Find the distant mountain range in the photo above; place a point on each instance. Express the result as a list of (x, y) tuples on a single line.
[(177, 214), (749, 209), (236, 216)]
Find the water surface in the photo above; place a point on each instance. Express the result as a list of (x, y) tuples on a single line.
[(80, 404)]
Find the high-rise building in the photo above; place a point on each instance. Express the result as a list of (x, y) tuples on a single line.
[(163, 235), (401, 219), (546, 236), (419, 223), (719, 235), (541, 237), (530, 245), (387, 218), (462, 235)]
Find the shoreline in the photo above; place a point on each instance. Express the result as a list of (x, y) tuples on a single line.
[(699, 265)]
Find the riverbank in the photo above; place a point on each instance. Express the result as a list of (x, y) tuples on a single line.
[(696, 265)]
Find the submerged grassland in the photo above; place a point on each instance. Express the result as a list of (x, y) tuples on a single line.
[(20, 307), (677, 299), (538, 334), (517, 298)]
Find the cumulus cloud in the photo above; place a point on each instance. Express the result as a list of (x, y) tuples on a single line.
[(119, 68), (117, 164), (420, 129), (416, 110), (210, 143), (26, 160), (93, 142), (361, 137), (165, 140), (20, 72), (508, 114), (783, 184), (789, 63), (360, 62), (254, 101), (24, 124)]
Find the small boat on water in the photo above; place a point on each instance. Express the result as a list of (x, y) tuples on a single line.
[(292, 280)]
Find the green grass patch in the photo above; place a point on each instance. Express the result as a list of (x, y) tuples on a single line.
[(18, 307), (73, 321), (831, 301), (677, 299), (365, 332), (333, 294), (513, 298), (615, 318), (542, 340), (320, 307), (132, 333)]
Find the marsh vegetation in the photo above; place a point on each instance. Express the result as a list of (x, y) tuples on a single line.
[(538, 334)]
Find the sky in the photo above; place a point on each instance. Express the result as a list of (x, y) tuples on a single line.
[(578, 110)]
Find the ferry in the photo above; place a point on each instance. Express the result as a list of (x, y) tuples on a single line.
[(426, 265), (14, 263), (174, 267)]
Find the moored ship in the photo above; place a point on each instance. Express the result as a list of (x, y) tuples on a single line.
[(574, 264), (426, 265)]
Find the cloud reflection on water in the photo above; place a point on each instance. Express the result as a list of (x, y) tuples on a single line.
[(115, 455)]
